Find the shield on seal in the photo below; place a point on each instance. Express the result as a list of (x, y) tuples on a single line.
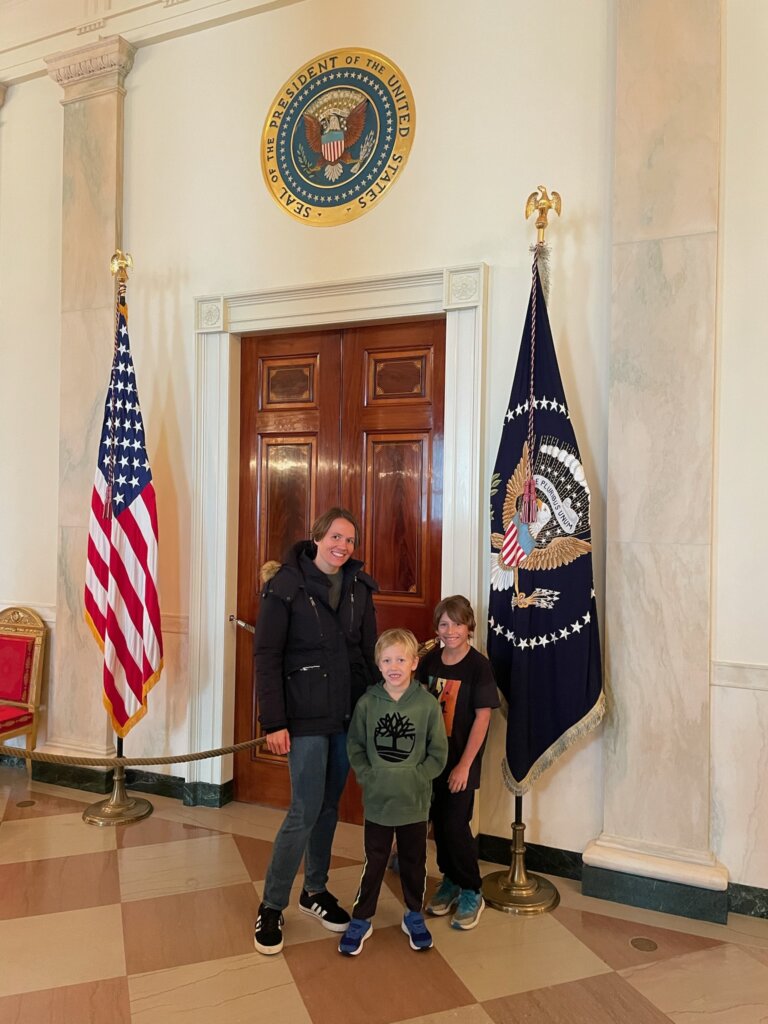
[(332, 145)]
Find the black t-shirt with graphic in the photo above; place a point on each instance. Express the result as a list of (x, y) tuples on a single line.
[(461, 689)]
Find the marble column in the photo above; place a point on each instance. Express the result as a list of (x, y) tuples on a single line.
[(3, 89), (660, 461), (92, 79)]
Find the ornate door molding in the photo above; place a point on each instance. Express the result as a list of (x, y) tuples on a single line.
[(459, 292)]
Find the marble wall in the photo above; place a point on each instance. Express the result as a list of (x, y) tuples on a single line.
[(661, 444), (92, 81), (740, 640)]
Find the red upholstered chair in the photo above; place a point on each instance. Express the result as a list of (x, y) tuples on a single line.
[(22, 640)]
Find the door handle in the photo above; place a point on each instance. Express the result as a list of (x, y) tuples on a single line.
[(243, 625)]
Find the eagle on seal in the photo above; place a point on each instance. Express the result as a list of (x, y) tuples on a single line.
[(332, 135)]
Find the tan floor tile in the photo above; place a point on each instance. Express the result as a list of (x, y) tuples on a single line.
[(157, 830), (506, 954), (239, 819), (256, 854), (61, 883), (166, 868), (80, 796), (60, 949), (236, 990), (761, 955), (605, 999), (94, 1002), (5, 794), (388, 982), (61, 835), (724, 984), (474, 1014), (29, 804), (189, 927), (612, 938)]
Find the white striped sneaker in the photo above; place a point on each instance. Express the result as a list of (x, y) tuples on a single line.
[(326, 909)]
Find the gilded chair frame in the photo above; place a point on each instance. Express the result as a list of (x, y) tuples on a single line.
[(23, 622)]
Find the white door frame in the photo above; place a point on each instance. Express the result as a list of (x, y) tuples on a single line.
[(220, 321)]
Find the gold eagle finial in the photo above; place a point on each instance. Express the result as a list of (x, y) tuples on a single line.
[(542, 202)]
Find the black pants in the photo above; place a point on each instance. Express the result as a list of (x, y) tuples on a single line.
[(411, 856), (456, 846)]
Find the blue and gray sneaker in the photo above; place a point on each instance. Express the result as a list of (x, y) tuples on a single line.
[(353, 938), (468, 910), (417, 931), (445, 898)]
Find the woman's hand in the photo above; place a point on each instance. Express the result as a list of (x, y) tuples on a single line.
[(279, 742), (457, 780)]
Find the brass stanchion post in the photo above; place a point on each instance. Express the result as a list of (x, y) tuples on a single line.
[(515, 891), (119, 809)]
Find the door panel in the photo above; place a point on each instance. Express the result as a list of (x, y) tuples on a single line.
[(392, 454), (346, 417), (397, 494), (289, 443)]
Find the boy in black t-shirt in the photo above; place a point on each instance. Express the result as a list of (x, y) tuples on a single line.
[(462, 680)]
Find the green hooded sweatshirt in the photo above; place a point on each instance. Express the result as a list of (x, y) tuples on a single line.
[(396, 748)]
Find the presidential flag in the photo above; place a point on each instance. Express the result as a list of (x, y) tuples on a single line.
[(543, 639), (121, 603)]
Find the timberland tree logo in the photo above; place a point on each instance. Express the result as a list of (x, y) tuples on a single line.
[(394, 737), (337, 136)]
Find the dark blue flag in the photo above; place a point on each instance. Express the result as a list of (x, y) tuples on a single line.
[(543, 639)]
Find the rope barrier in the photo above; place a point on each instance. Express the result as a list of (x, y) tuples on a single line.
[(115, 762)]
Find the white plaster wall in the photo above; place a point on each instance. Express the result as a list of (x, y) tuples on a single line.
[(495, 117), (740, 636), (30, 286)]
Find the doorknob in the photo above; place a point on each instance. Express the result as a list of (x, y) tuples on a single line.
[(243, 625)]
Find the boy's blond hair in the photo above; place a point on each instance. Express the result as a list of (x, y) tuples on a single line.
[(403, 637)]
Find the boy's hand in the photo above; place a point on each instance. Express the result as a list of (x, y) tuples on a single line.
[(457, 780), (279, 742)]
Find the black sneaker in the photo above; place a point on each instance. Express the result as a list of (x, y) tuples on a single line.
[(268, 934), (326, 909)]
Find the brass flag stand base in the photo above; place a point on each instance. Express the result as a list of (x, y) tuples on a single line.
[(515, 891), (119, 809)]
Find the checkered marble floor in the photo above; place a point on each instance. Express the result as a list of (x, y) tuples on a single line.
[(152, 924)]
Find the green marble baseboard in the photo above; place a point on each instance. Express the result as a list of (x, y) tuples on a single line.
[(656, 894)]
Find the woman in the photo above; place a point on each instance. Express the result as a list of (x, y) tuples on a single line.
[(314, 656)]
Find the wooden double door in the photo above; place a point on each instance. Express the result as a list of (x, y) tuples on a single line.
[(350, 417)]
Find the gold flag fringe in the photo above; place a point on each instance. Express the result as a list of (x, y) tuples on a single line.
[(551, 754), (542, 252)]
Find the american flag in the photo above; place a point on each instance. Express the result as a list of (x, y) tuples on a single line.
[(121, 603)]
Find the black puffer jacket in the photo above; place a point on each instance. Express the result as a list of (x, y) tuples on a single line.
[(311, 662)]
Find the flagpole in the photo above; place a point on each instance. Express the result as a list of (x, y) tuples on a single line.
[(516, 891), (119, 809)]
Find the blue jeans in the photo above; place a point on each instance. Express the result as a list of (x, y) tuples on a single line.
[(319, 767)]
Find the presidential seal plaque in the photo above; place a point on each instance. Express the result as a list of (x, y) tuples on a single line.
[(337, 136)]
